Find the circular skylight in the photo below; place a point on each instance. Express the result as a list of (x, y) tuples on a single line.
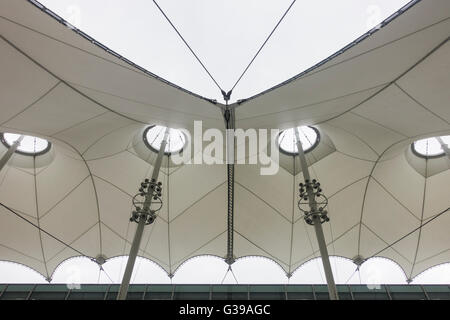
[(153, 137), (29, 144), (309, 137), (430, 147)]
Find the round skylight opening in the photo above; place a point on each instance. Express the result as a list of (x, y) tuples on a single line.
[(309, 137), (430, 147), (153, 137), (29, 145)]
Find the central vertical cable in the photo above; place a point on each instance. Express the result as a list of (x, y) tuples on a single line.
[(230, 125), (230, 221)]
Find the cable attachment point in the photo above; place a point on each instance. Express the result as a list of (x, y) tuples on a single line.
[(226, 95), (227, 116), (312, 189), (147, 202), (100, 259), (229, 260), (358, 260)]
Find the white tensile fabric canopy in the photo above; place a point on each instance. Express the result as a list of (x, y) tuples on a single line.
[(369, 104)]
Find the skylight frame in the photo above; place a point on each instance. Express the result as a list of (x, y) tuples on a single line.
[(8, 143), (421, 154), (155, 149), (308, 149)]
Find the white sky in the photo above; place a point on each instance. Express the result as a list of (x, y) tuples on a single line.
[(225, 34)]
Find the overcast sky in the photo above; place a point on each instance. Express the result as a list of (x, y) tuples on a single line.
[(225, 34)]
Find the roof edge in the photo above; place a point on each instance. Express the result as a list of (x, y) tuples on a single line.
[(87, 37), (358, 40)]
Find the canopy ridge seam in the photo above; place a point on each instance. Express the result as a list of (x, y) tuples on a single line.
[(390, 83), (357, 137), (198, 200), (328, 243), (105, 48), (23, 213), (42, 96), (18, 169), (346, 95), (113, 155), (64, 197), (420, 104), (186, 257), (379, 124), (395, 198), (95, 193), (387, 243), (278, 260), (72, 242), (139, 102), (433, 256), (39, 228), (154, 259), (38, 217), (21, 253), (79, 123), (422, 214), (67, 83), (263, 201), (364, 198), (367, 185), (106, 134)]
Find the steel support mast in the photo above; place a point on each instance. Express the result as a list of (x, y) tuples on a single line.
[(316, 220), (444, 147), (142, 221), (8, 154)]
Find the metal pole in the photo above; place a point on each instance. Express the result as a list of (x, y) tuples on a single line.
[(122, 295), (317, 223), (444, 147), (4, 160)]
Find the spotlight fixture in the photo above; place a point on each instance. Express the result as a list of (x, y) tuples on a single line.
[(312, 202), (147, 202)]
